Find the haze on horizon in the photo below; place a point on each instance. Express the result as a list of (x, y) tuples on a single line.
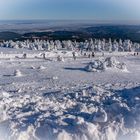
[(70, 9)]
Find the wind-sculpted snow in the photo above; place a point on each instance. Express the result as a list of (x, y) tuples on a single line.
[(86, 113), (104, 64)]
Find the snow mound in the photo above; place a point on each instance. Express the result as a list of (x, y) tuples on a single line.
[(108, 63), (18, 73)]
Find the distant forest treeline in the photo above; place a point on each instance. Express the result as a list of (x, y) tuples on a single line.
[(100, 32)]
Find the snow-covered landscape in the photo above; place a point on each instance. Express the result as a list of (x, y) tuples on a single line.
[(53, 90)]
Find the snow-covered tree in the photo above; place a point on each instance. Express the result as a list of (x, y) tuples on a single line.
[(96, 45)]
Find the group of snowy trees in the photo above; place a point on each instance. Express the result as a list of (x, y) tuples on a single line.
[(96, 45)]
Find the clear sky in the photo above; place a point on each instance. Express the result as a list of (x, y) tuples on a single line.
[(70, 9)]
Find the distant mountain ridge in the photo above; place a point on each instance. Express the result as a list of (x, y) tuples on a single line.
[(80, 34)]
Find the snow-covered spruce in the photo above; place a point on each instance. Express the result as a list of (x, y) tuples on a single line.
[(91, 45)]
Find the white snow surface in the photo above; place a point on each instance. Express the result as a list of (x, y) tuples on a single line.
[(46, 99)]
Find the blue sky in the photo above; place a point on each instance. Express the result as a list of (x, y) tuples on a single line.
[(70, 9)]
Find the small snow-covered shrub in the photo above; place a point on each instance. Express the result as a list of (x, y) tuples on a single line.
[(95, 66), (41, 67), (60, 58), (111, 62)]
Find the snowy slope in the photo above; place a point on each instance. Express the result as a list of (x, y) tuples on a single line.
[(50, 100)]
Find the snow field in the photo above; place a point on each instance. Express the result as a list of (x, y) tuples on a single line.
[(42, 99)]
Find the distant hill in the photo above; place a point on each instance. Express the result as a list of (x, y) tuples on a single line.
[(98, 31), (116, 32), (9, 36)]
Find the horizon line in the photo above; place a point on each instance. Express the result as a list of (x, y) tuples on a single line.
[(90, 21)]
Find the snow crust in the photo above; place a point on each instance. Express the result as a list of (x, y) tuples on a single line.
[(99, 115)]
